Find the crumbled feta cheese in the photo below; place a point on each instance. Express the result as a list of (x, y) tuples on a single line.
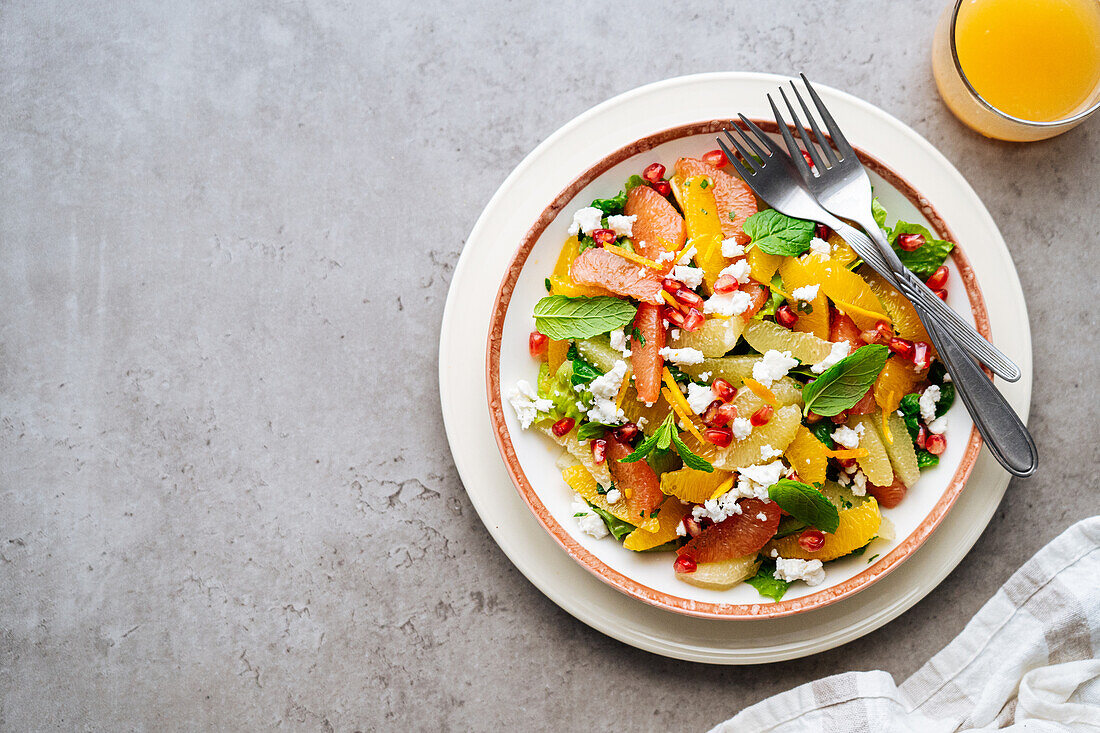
[(767, 452), (728, 304), (699, 397), (525, 401), (674, 333), (774, 365), (739, 271), (938, 426), (859, 484), (618, 342), (604, 389), (688, 275), (773, 554), (589, 522), (642, 421), (686, 254), (792, 569), (682, 356), (586, 220), (581, 406), (851, 468), (718, 510), (614, 496), (665, 256), (947, 377), (762, 516), (928, 402), (806, 292), (765, 475), (623, 226), (731, 249), (844, 479), (681, 530), (819, 246), (848, 437), (704, 376), (839, 351), (740, 427)]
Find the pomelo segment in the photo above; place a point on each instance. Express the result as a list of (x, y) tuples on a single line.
[(876, 464), (903, 457), (907, 324), (635, 410), (722, 575), (733, 369), (598, 267), (714, 338), (738, 535), (795, 276), (778, 433), (597, 351), (561, 283), (848, 291), (581, 481), (733, 198), (668, 517), (646, 360), (659, 226), (765, 335), (807, 456), (582, 453), (858, 525), (691, 485)]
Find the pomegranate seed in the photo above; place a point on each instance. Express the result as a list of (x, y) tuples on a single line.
[(684, 565), (726, 414), (599, 450), (936, 444), (822, 232), (812, 417), (808, 159), (563, 426), (762, 416), (880, 334), (840, 418), (901, 347), (720, 437), (811, 540), (726, 284), (671, 286), (785, 316), (674, 316), (693, 321), (688, 298), (694, 529), (723, 389), (654, 172), (716, 158), (910, 242), (537, 343), (922, 355), (941, 294), (626, 433), (603, 236), (922, 437), (846, 462), (663, 188), (710, 415), (938, 279)]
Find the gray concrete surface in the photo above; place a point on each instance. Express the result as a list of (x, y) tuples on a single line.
[(226, 235)]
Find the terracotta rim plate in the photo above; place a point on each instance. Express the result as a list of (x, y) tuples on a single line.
[(549, 170), (567, 201)]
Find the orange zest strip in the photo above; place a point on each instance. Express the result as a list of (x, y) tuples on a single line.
[(635, 258), (886, 428), (685, 420), (762, 392), (670, 300), (847, 453), (723, 488), (849, 308), (622, 390)]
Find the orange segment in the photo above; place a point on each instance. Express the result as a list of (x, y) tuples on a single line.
[(556, 353), (795, 275), (807, 456), (561, 283), (668, 518), (906, 322), (733, 197), (763, 265), (897, 379), (581, 481), (703, 227), (858, 526), (842, 253), (693, 486), (849, 292)]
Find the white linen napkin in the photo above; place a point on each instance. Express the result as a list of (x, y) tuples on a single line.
[(1026, 661)]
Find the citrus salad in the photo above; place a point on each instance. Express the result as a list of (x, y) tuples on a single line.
[(730, 384)]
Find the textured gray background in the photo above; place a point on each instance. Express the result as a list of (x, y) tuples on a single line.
[(226, 236)]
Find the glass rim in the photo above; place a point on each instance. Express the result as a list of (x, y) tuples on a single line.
[(1000, 113)]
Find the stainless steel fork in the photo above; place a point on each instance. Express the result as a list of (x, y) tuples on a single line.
[(773, 177)]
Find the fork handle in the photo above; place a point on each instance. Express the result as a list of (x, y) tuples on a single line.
[(916, 291)]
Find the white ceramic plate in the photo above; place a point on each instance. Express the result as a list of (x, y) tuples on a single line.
[(520, 201)]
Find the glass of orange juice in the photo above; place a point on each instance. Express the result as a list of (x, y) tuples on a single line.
[(1019, 69)]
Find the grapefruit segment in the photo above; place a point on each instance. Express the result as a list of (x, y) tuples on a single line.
[(737, 536), (561, 283), (843, 328), (890, 496), (637, 481), (733, 198), (659, 227), (598, 267), (646, 360)]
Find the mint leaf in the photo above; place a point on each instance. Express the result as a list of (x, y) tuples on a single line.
[(767, 584), (823, 431), (788, 526), (769, 308), (909, 407), (925, 259), (805, 503), (617, 527), (583, 372), (643, 448), (926, 459), (690, 459), (879, 212), (561, 317), (591, 430), (844, 383), (779, 234)]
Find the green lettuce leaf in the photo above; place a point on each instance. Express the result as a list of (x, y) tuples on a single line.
[(767, 584), (927, 258), (617, 527)]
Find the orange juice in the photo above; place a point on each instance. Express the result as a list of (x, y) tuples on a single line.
[(1033, 59)]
